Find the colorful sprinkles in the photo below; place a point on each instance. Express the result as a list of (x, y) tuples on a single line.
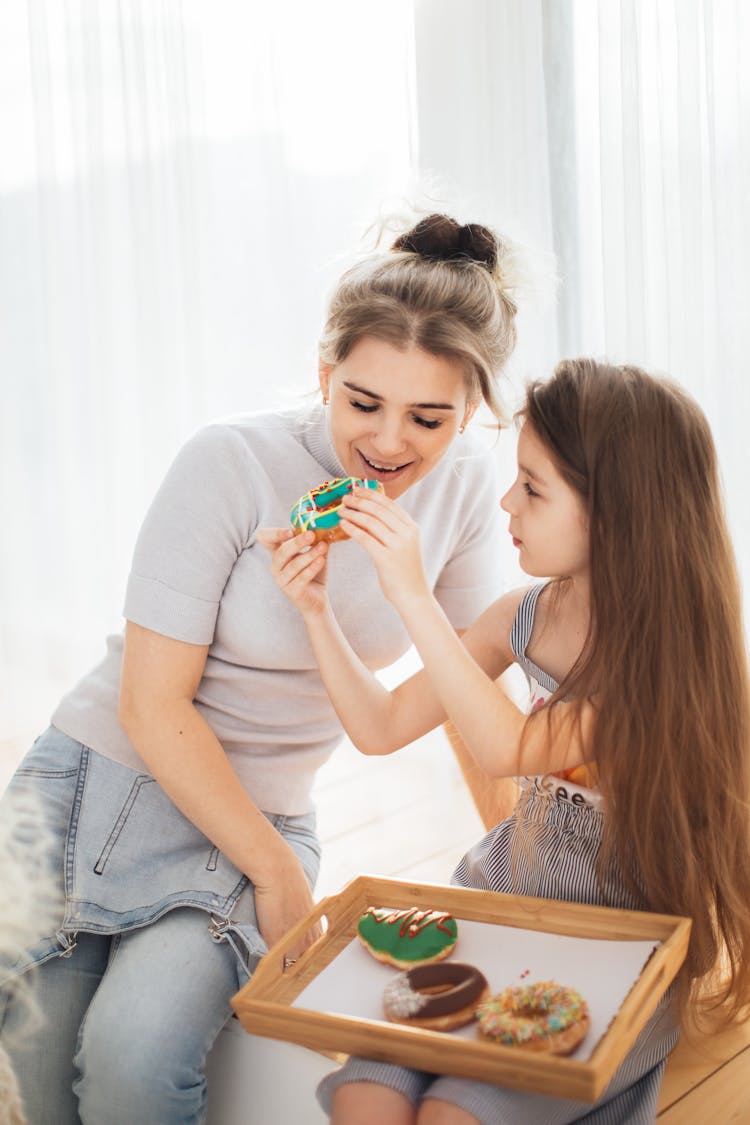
[(530, 1012)]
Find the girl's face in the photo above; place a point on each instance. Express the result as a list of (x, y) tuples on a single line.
[(393, 413), (548, 519)]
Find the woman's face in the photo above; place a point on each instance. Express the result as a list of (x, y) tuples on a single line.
[(393, 413)]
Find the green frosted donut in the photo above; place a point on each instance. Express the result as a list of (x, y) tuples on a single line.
[(407, 937)]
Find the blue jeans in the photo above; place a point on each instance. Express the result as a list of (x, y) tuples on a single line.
[(129, 1021), (130, 1011)]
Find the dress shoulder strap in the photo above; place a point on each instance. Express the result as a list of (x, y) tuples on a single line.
[(523, 622)]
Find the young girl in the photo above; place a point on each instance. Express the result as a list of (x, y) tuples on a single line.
[(636, 754)]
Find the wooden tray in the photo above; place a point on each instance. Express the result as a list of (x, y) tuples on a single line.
[(264, 1004)]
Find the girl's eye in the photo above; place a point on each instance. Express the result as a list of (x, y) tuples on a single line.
[(428, 423), (529, 490), (365, 407)]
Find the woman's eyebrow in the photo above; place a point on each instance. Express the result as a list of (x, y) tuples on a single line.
[(412, 405)]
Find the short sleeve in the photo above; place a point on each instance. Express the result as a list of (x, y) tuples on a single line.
[(200, 521)]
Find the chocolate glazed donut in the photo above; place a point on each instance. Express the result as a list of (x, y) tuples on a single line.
[(439, 996)]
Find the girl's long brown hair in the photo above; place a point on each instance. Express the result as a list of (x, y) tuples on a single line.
[(665, 660)]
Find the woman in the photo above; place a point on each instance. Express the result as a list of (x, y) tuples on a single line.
[(176, 776)]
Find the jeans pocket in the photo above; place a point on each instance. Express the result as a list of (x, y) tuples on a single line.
[(53, 755), (125, 811), (301, 835)]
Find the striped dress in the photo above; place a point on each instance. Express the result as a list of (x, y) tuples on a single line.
[(548, 847)]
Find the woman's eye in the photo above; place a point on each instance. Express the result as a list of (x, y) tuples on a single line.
[(365, 407), (529, 490), (428, 423)]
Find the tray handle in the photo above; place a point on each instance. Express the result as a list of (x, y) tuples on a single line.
[(278, 959)]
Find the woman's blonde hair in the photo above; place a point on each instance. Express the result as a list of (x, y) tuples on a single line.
[(665, 659), (442, 287)]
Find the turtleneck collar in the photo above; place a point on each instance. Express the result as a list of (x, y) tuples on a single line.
[(315, 435)]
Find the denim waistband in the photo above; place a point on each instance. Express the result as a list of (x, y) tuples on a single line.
[(129, 855)]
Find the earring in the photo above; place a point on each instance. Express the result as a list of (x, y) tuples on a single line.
[(325, 401), (461, 428)]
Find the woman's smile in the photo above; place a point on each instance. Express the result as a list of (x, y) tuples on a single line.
[(381, 471)]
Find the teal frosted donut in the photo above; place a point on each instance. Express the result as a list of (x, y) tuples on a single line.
[(318, 510)]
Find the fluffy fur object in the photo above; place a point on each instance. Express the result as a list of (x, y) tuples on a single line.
[(32, 907)]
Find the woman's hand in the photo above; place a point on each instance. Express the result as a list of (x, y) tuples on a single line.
[(283, 900), (298, 564), (391, 538)]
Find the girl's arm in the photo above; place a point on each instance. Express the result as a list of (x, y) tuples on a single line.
[(463, 673), (502, 739), (376, 719), (494, 797), (459, 677), (159, 680)]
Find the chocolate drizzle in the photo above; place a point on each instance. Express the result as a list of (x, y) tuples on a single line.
[(412, 921)]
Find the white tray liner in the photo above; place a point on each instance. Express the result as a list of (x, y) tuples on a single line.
[(602, 971)]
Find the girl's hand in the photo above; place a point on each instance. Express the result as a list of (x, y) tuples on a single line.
[(391, 538), (283, 901), (298, 564)]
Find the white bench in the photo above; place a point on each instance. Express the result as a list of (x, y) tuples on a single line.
[(256, 1081)]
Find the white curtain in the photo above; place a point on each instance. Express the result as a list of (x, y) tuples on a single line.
[(617, 134), (178, 184), (660, 235)]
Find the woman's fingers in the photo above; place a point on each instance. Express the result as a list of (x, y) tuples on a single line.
[(299, 565), (297, 562), (273, 537), (284, 545), (297, 580)]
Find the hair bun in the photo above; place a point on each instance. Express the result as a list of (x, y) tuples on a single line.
[(441, 238)]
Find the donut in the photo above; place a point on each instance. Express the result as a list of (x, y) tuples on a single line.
[(318, 510), (406, 938), (440, 996), (542, 1016)]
